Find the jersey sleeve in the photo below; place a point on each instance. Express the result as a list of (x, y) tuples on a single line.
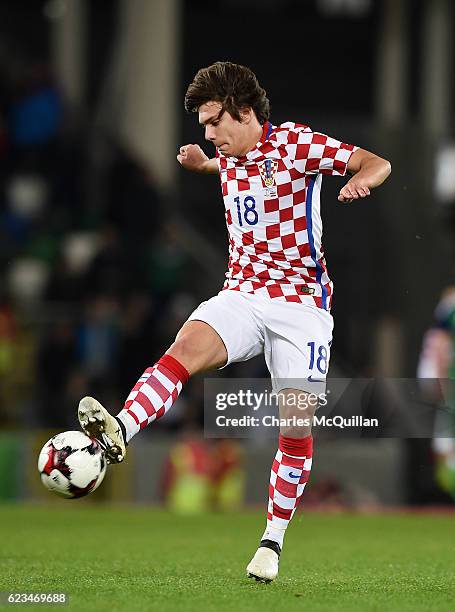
[(317, 153)]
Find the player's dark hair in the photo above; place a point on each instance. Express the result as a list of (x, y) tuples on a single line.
[(233, 85)]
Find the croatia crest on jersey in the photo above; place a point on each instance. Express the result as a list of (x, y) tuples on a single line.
[(267, 170)]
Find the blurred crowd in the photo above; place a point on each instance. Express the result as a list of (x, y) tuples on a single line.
[(94, 279)]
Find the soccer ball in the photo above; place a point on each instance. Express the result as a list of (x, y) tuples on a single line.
[(71, 464)]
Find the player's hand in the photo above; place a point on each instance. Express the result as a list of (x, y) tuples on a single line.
[(193, 158), (353, 190)]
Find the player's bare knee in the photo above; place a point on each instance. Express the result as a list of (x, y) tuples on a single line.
[(297, 410), (194, 351), (296, 424), (185, 350)]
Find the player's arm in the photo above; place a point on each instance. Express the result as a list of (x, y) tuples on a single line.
[(193, 158), (368, 170)]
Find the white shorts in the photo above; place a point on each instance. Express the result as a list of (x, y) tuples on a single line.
[(295, 338)]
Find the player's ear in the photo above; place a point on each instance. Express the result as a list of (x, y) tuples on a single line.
[(246, 114)]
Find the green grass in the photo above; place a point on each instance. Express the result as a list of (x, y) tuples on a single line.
[(110, 558)]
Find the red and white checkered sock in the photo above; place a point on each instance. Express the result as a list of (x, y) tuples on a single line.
[(290, 472), (153, 394)]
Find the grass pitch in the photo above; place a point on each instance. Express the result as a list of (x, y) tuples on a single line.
[(111, 558)]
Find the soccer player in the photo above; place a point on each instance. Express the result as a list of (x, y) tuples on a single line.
[(277, 294)]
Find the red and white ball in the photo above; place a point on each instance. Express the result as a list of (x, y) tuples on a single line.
[(71, 464)]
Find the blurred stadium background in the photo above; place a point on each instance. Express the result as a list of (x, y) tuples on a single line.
[(107, 244)]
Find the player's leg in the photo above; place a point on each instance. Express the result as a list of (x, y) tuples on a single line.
[(288, 477), (197, 347), (298, 367), (219, 331)]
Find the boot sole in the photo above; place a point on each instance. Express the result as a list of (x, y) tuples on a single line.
[(93, 423), (259, 578)]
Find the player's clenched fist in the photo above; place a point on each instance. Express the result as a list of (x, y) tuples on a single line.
[(353, 190), (192, 157)]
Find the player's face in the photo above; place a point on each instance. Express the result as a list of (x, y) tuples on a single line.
[(229, 135)]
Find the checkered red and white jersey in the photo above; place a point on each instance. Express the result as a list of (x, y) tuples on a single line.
[(272, 206)]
